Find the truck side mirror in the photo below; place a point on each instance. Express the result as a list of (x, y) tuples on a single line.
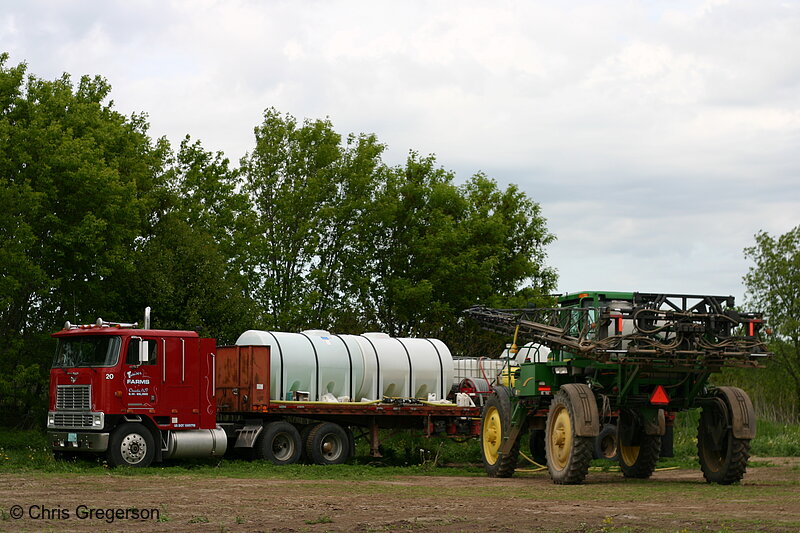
[(143, 355)]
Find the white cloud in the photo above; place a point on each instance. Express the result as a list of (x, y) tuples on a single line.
[(659, 137)]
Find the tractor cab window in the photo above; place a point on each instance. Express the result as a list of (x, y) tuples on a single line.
[(133, 352)]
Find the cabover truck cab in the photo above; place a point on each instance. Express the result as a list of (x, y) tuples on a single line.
[(630, 360), (142, 395), (136, 395)]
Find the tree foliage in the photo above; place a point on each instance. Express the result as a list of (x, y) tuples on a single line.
[(772, 287), (337, 239), (312, 229), (74, 182)]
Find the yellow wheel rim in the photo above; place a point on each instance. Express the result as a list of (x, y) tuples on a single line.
[(629, 454), (492, 434), (561, 438)]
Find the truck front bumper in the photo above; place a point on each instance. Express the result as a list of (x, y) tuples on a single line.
[(76, 441)]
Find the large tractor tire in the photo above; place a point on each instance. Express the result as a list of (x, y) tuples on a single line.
[(279, 443), (328, 444), (495, 427), (639, 461), (568, 455), (637, 451), (723, 457), (131, 444)]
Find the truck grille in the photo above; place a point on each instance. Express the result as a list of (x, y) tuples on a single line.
[(74, 398), (73, 420)]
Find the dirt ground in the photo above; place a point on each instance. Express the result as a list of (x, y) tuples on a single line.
[(672, 500)]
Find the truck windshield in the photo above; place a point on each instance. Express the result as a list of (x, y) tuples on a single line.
[(91, 350)]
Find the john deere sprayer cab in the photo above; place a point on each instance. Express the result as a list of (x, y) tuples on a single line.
[(632, 359)]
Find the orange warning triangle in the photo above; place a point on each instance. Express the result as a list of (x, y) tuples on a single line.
[(659, 396)]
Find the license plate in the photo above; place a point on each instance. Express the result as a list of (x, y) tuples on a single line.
[(72, 437)]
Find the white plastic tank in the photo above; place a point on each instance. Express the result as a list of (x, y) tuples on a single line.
[(405, 367), (476, 368), (356, 367)]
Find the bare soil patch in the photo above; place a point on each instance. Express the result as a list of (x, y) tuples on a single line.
[(672, 500)]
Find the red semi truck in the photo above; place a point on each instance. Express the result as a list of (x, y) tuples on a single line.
[(139, 395)]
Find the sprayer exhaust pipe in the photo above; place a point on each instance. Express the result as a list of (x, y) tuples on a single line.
[(147, 317)]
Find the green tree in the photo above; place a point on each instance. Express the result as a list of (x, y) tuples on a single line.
[(188, 267), (440, 248), (309, 192), (75, 177), (772, 288)]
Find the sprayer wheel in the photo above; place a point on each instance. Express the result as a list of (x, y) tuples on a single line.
[(568, 455), (495, 427), (639, 461), (723, 459)]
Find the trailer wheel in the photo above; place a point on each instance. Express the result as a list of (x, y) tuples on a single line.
[(328, 444), (304, 430), (605, 444), (131, 444), (496, 425), (723, 457), (639, 461), (279, 443), (568, 455)]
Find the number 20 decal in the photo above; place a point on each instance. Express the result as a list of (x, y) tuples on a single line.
[(109, 376)]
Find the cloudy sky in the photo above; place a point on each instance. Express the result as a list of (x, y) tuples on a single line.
[(658, 136)]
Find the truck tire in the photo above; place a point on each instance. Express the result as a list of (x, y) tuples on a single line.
[(605, 444), (723, 457), (328, 444), (639, 461), (568, 455), (496, 425), (279, 443), (131, 444)]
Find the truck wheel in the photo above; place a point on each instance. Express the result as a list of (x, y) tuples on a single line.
[(304, 430), (723, 457), (496, 425), (639, 461), (279, 443), (537, 446), (328, 444), (568, 455), (131, 444), (605, 444)]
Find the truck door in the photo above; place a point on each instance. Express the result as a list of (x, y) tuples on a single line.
[(181, 381), (142, 379)]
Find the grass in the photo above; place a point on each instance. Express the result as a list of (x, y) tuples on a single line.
[(403, 454), (773, 439)]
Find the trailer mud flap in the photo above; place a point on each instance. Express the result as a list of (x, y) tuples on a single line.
[(587, 418), (743, 415)]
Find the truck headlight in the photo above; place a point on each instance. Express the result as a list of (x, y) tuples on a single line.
[(97, 421), (51, 420)]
